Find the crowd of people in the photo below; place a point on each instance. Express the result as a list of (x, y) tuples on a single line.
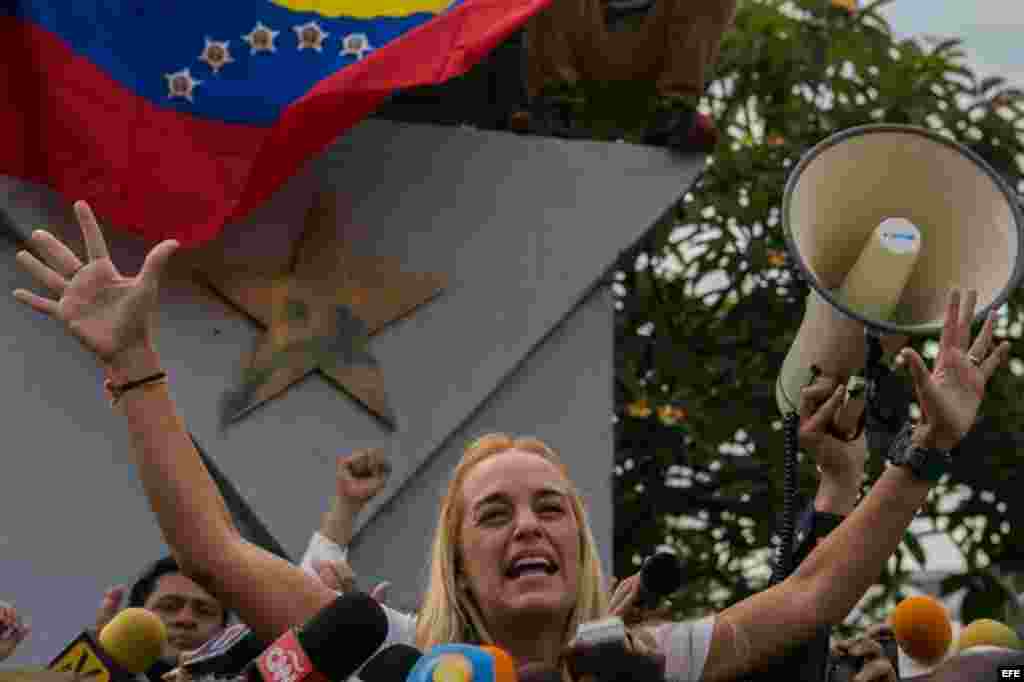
[(193, 616), (513, 562)]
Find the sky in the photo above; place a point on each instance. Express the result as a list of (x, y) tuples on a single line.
[(992, 30)]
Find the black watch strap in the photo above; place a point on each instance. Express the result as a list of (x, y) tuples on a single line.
[(927, 464)]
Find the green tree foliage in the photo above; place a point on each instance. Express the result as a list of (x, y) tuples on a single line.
[(707, 309)]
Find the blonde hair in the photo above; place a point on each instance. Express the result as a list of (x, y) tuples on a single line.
[(449, 614)]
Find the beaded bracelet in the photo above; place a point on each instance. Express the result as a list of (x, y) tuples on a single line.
[(117, 390)]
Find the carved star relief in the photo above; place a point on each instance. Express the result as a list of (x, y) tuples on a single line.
[(319, 315)]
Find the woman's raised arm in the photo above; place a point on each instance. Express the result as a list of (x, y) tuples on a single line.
[(837, 573), (111, 315)]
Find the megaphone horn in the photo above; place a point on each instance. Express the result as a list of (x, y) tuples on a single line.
[(882, 221)]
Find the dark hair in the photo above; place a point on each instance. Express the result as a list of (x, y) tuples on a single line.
[(145, 586)]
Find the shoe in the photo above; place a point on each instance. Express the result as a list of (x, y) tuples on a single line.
[(671, 127), (682, 129), (552, 116)]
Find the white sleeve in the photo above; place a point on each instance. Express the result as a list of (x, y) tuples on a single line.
[(685, 645), (401, 627), (322, 548)]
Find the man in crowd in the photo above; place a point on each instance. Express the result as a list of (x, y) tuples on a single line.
[(190, 613)]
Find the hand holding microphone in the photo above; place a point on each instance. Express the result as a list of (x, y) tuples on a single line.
[(635, 597), (606, 651)]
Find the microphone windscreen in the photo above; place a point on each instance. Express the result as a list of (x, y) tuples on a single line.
[(134, 639), (922, 628), (344, 634), (988, 632), (392, 664), (661, 574), (504, 666)]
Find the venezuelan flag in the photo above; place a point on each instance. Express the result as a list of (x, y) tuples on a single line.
[(174, 117)]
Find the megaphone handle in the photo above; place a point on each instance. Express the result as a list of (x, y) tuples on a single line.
[(873, 368)]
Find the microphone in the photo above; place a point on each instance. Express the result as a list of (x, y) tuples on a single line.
[(331, 646), (464, 663), (392, 664), (128, 645), (225, 655), (660, 575), (988, 634), (922, 628)]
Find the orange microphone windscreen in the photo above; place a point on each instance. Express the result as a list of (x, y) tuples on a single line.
[(922, 628)]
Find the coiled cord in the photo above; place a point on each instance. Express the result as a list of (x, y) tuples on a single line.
[(784, 552)]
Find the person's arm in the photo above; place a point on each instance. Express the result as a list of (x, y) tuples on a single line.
[(359, 476), (830, 582), (112, 316), (109, 606), (268, 593), (840, 464)]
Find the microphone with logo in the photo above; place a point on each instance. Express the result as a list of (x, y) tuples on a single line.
[(128, 645), (463, 663), (446, 662), (331, 646)]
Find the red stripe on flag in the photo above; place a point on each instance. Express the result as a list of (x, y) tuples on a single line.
[(164, 174)]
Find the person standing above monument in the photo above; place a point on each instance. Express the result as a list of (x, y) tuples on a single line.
[(674, 49)]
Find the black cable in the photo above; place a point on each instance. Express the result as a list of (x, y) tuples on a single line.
[(784, 552), (873, 368)]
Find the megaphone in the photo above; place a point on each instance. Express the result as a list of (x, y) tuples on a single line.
[(882, 221)]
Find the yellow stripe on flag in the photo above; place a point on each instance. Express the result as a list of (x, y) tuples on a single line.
[(365, 9)]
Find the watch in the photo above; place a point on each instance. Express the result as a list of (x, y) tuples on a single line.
[(927, 464)]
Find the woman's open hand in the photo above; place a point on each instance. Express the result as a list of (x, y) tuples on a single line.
[(106, 311), (951, 393)]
